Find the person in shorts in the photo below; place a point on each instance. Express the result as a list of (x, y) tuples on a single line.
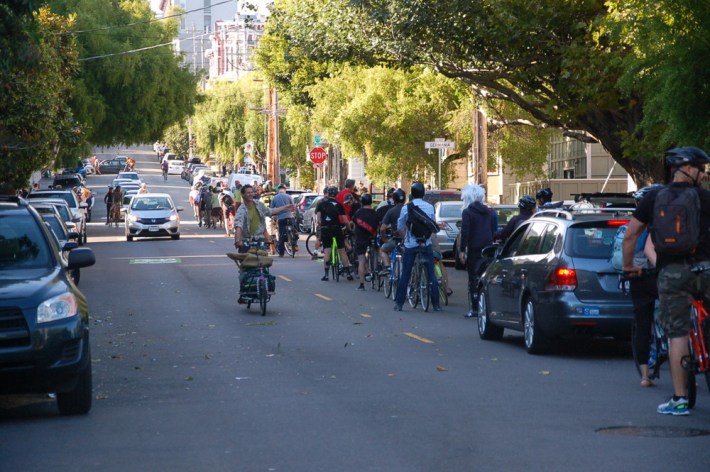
[(330, 218), (365, 221)]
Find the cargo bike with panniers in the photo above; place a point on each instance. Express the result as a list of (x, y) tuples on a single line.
[(256, 284)]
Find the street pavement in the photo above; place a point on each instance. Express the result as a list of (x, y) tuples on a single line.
[(331, 379)]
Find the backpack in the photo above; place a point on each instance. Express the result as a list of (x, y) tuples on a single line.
[(419, 224), (676, 221)]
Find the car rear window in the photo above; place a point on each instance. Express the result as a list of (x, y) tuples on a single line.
[(66, 196), (591, 241), (450, 211), (22, 245)]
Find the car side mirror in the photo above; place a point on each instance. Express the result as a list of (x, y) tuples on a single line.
[(489, 252)]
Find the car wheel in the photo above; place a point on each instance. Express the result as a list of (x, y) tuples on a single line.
[(175, 236), (78, 400), (535, 341), (486, 330)]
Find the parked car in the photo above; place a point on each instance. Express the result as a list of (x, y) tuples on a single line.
[(553, 277), (433, 196), (447, 214), (302, 202), (67, 181), (132, 177), (60, 206), (66, 240), (44, 336), (112, 166), (206, 172), (176, 166), (309, 216), (77, 209), (152, 215)]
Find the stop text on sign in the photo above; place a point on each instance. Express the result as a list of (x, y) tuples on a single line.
[(318, 155)]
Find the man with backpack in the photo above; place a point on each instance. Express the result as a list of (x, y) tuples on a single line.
[(679, 219), (416, 224)]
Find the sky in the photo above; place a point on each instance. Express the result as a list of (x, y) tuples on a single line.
[(261, 3)]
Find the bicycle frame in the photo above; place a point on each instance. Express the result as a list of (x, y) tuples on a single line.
[(699, 318)]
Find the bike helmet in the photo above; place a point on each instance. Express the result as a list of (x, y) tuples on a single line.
[(526, 202), (417, 190), (390, 192), (688, 155), (544, 194), (366, 199), (331, 191), (642, 192), (399, 196)]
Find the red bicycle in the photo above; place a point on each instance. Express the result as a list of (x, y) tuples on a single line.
[(698, 361)]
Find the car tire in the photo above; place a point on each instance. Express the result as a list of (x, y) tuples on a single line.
[(175, 236), (486, 330), (535, 341), (78, 400)]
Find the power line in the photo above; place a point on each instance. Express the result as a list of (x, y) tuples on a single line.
[(104, 28), (122, 53)]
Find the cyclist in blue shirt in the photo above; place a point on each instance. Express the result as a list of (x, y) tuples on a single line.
[(284, 218)]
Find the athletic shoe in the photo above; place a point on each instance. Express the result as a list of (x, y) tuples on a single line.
[(437, 308), (397, 307), (674, 407), (471, 314), (361, 287), (350, 276), (385, 271), (324, 278)]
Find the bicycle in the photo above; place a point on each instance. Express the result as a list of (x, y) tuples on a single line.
[(256, 284), (443, 296), (165, 174), (374, 266), (395, 271), (291, 244), (311, 242), (698, 361), (419, 289)]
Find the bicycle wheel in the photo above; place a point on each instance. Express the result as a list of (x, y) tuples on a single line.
[(311, 244), (443, 297), (397, 275), (288, 244), (263, 295), (706, 338), (424, 287), (413, 288), (372, 267), (335, 261)]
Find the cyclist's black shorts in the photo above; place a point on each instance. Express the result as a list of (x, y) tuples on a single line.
[(327, 233), (361, 246)]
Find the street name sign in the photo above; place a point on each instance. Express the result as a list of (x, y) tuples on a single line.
[(439, 145)]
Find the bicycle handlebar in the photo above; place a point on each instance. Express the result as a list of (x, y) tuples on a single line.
[(700, 268)]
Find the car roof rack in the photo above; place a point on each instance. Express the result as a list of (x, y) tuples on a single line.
[(571, 213)]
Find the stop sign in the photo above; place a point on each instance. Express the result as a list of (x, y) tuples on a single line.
[(318, 155)]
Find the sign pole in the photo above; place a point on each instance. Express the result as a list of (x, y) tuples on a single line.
[(440, 151)]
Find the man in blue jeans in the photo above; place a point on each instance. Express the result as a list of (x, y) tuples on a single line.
[(410, 250), (283, 199)]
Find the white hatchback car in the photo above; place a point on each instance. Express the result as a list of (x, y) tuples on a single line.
[(152, 215)]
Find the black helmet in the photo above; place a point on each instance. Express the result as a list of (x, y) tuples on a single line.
[(417, 190), (642, 192), (399, 196), (544, 194), (331, 191), (390, 192), (366, 199), (526, 202), (688, 155)]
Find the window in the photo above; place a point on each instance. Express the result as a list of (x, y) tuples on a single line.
[(549, 239), (590, 241), (511, 247), (532, 239)]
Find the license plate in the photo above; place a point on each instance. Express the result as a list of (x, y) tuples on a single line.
[(153, 228)]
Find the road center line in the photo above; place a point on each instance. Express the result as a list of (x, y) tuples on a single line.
[(285, 278), (419, 338), (323, 297)]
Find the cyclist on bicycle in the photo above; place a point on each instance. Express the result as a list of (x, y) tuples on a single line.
[(250, 220), (164, 168), (478, 225), (412, 247), (388, 228), (365, 220), (285, 219), (677, 284), (330, 218)]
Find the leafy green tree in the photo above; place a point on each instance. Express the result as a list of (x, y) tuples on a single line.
[(121, 94), (177, 139), (36, 66), (551, 58)]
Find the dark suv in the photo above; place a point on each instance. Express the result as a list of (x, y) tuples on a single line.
[(44, 318), (554, 277)]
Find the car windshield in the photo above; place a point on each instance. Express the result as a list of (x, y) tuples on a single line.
[(22, 245), (450, 211), (66, 196), (590, 241), (152, 203), (128, 175), (56, 226), (504, 215)]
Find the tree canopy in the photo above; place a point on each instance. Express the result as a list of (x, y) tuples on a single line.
[(560, 61)]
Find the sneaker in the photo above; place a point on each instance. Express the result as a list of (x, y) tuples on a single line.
[(324, 278), (361, 287), (437, 308), (471, 314), (397, 307), (674, 407), (314, 256), (385, 271), (350, 276)]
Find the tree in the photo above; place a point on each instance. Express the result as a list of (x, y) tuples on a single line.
[(126, 90), (549, 57), (177, 139), (36, 66)]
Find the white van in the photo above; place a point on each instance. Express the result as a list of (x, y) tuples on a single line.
[(243, 179)]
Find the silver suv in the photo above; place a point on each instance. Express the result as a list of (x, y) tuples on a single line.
[(554, 277)]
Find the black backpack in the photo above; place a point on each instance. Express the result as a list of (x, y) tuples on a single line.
[(676, 221), (419, 224)]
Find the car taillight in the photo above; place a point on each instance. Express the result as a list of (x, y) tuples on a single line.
[(562, 278), (617, 222), (442, 225)]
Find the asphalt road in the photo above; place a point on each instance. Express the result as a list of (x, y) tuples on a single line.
[(331, 379)]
